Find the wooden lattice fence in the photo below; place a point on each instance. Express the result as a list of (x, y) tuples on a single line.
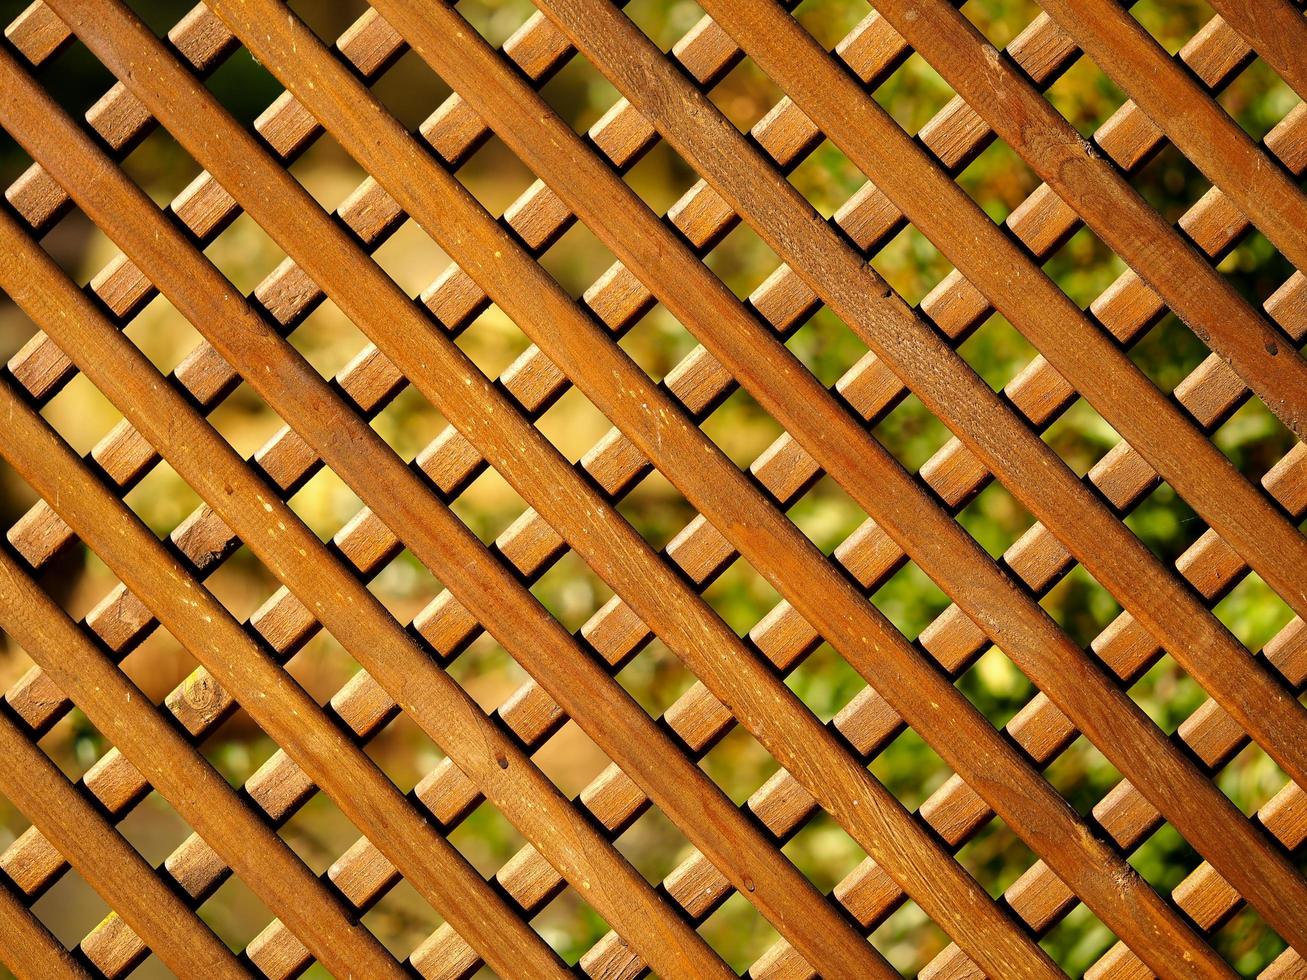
[(1250, 520)]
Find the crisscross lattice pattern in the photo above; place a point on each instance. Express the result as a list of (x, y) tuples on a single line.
[(964, 842)]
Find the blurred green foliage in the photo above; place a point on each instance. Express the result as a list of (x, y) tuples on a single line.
[(998, 180)]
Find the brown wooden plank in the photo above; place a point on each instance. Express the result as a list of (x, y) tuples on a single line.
[(697, 631), (1276, 31), (679, 787), (104, 859), (1200, 128), (445, 712), (26, 946), (518, 128)]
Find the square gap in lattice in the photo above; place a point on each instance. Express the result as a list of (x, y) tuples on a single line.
[(328, 173), (570, 590), (1083, 268), (995, 519), (1254, 439), (495, 176), (329, 21), (577, 259), (741, 596), (825, 682), (402, 919), (1000, 24), (664, 181), (1163, 857), (911, 265), (832, 21), (71, 908), (236, 746), (996, 686), (402, 749), (1080, 436), (742, 260), (1078, 940), (1081, 606), (997, 179), (487, 672), (163, 334), (410, 90), (162, 499), (318, 832), (325, 502), (910, 769), (909, 598), (1082, 774), (1170, 183), (746, 94), (913, 93), (1172, 24), (412, 259), (1001, 355), (1168, 353), (822, 850), (579, 93), (74, 744), (1166, 523), (659, 344), (77, 245), (826, 514), (573, 424), (1258, 99), (1253, 612), (1257, 270), (909, 939), (243, 86), (665, 518), (738, 764), (911, 433), (1085, 96), (666, 24), (405, 586), (410, 424), (1247, 942), (995, 856), (494, 343), (487, 839), (160, 167), (80, 414), (738, 932), (826, 178), (75, 78), (248, 257), (248, 424), (742, 428), (657, 678)]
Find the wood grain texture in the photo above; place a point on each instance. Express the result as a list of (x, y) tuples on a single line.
[(571, 843)]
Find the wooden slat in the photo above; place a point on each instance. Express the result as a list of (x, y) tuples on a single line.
[(436, 702), (658, 253), (619, 298), (108, 863), (1276, 31), (26, 946), (482, 583)]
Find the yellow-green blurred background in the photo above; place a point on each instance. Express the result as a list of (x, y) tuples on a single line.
[(997, 179)]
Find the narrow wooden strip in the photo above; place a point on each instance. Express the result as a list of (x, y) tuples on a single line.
[(437, 703), (1197, 125), (519, 119), (603, 538), (305, 92), (441, 540), (104, 859), (195, 790), (26, 945), (1276, 31)]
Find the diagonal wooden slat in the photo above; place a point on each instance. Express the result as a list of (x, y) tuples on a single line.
[(539, 150), (620, 298), (684, 788), (108, 862)]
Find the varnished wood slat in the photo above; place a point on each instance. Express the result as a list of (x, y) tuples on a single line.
[(1276, 31), (109, 864), (518, 129), (378, 165), (433, 531), (1202, 130), (437, 703), (26, 946)]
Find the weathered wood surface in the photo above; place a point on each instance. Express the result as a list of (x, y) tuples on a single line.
[(1252, 528)]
